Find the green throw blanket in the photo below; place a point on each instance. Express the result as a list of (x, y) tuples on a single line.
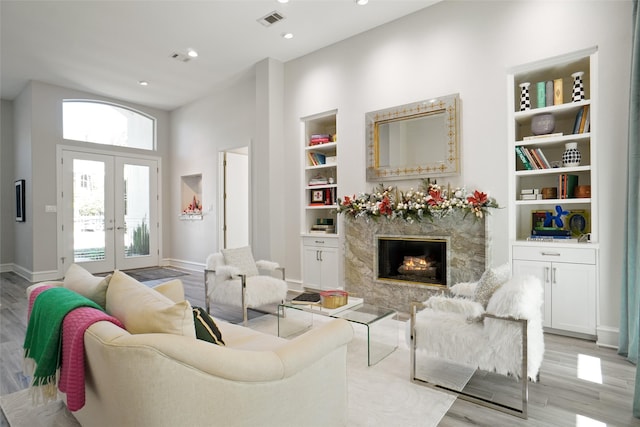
[(43, 340)]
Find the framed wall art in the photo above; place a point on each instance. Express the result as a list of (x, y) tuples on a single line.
[(20, 205)]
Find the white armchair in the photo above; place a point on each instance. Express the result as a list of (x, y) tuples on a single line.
[(505, 337), (232, 277)]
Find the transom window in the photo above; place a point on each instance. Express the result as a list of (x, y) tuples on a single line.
[(105, 123)]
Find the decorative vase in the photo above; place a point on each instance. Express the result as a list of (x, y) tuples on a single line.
[(571, 156), (577, 94), (542, 124), (525, 100)]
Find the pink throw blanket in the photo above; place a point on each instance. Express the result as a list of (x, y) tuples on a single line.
[(74, 325), (72, 367)]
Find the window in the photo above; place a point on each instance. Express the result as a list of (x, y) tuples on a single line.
[(104, 123)]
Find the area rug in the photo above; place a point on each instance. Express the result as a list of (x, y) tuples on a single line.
[(20, 412), (382, 394), (379, 395), (154, 273)]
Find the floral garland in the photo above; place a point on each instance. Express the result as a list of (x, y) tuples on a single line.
[(431, 201)]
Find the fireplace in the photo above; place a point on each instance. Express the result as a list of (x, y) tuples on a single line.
[(415, 259), (466, 256)]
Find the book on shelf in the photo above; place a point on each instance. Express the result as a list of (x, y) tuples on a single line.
[(318, 180), (534, 158), (548, 135), (557, 92), (316, 159), (551, 239), (587, 122), (540, 154), (567, 185), (550, 232), (531, 197), (523, 158), (581, 120), (538, 218), (530, 191), (542, 94), (549, 93)]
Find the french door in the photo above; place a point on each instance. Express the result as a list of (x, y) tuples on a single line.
[(109, 211)]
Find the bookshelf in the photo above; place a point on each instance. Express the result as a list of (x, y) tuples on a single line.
[(545, 184), (320, 232)]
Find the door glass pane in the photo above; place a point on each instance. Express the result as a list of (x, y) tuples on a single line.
[(88, 210), (136, 210)]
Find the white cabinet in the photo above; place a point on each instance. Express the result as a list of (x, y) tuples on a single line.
[(569, 279), (320, 262), (541, 206)]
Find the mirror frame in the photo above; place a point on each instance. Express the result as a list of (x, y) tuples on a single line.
[(442, 167)]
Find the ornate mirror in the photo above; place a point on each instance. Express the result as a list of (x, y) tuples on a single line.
[(415, 140)]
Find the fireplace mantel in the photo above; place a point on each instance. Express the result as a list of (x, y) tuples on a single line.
[(467, 251)]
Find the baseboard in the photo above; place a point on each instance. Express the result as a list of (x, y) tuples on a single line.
[(187, 265), (6, 268), (608, 337), (34, 277)]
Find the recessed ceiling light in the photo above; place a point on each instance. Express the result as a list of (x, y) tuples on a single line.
[(192, 53), (287, 35), (143, 83), (361, 2)]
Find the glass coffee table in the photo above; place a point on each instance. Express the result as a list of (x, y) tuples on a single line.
[(381, 324)]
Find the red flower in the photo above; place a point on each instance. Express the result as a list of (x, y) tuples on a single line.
[(478, 198), (436, 197), (347, 201), (385, 206)]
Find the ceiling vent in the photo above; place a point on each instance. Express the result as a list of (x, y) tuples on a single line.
[(271, 18), (182, 57)]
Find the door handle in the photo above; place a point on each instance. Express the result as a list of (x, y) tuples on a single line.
[(109, 228), (320, 252), (121, 228), (546, 274), (553, 275)]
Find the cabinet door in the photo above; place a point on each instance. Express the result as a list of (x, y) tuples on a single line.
[(541, 270), (312, 267), (574, 297), (329, 262)]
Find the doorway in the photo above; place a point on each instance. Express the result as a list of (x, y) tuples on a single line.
[(109, 211), (235, 198)]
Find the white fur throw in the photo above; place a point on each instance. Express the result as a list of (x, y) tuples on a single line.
[(227, 271), (471, 309), (261, 290), (267, 265), (464, 289)]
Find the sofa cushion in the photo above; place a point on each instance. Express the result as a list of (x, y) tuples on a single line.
[(143, 310), (241, 258), (489, 282), (79, 280), (206, 328), (173, 289)]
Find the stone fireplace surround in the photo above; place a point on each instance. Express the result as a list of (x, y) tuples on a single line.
[(468, 254)]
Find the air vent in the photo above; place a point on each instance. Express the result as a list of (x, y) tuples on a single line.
[(180, 57), (271, 18)]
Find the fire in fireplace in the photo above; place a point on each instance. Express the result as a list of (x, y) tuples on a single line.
[(412, 259)]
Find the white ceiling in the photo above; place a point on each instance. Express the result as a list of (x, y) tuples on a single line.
[(106, 47)]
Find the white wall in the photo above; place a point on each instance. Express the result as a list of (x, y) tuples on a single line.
[(199, 131), (7, 209), (466, 47), (37, 133)]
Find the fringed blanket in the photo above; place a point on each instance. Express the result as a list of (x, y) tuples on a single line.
[(43, 340), (72, 370)]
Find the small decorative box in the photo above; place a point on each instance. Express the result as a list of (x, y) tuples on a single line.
[(334, 298)]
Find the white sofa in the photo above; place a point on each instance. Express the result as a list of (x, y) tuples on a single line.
[(257, 379)]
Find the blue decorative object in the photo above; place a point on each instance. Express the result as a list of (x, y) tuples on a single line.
[(550, 218)]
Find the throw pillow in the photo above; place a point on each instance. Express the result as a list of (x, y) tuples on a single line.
[(206, 329), (241, 258), (173, 289), (143, 310), (79, 280), (487, 285)]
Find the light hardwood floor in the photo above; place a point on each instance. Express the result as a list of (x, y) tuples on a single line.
[(559, 399)]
